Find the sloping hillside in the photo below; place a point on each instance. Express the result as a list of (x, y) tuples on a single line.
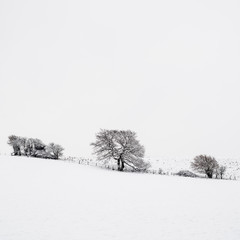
[(173, 165), (47, 199)]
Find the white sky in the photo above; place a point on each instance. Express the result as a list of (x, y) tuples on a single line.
[(169, 70)]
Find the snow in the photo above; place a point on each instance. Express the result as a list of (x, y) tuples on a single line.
[(56, 200), (174, 165), (169, 166)]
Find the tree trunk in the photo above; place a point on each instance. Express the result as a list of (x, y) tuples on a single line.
[(118, 162), (122, 165), (209, 174)]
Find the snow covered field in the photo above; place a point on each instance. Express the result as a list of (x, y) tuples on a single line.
[(169, 166), (173, 165), (55, 200)]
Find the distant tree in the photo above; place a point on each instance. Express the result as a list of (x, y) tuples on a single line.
[(29, 146), (205, 164), (23, 143), (33, 146), (222, 171), (121, 146), (217, 172), (56, 150), (14, 141)]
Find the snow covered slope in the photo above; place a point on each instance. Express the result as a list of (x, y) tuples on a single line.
[(169, 166), (55, 200), (173, 165)]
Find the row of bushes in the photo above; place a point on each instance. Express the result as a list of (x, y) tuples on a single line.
[(34, 147)]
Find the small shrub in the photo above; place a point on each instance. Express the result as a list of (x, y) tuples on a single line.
[(186, 173)]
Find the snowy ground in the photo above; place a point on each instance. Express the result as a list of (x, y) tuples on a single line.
[(173, 165), (55, 200), (169, 166)]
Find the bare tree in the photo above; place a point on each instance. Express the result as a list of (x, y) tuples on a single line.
[(33, 146), (23, 143), (222, 171), (121, 146), (217, 172), (205, 164), (14, 141), (56, 150)]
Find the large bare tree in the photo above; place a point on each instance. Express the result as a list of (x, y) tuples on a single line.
[(121, 146), (205, 164)]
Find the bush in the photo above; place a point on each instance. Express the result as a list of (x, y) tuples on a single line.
[(186, 173)]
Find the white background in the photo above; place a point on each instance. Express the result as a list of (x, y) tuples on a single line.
[(169, 70)]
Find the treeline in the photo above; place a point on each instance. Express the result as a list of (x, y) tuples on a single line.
[(119, 146), (34, 147)]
